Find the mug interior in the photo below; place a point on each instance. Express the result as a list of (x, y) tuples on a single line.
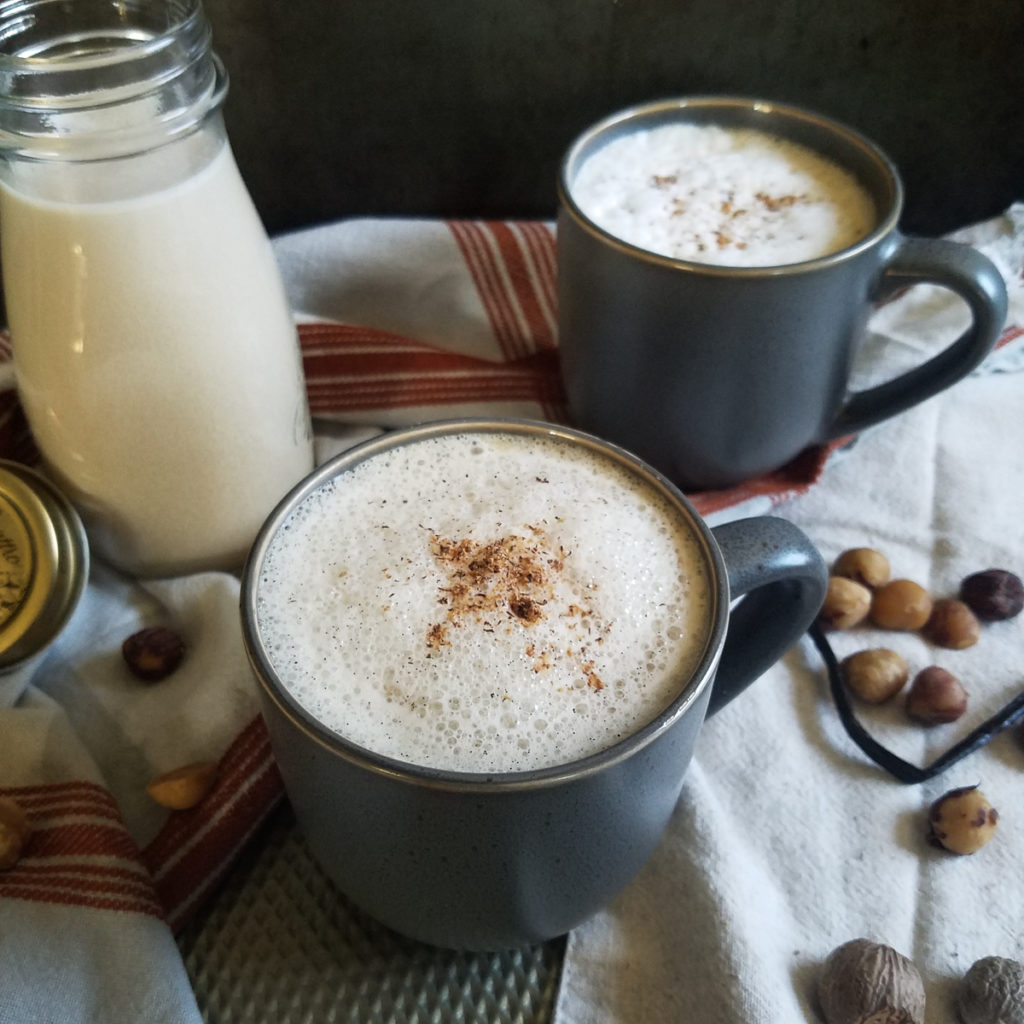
[(830, 139), (689, 690)]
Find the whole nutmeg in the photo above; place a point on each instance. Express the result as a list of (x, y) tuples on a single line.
[(846, 603), (874, 675), (993, 595), (936, 696), (952, 624), (15, 830), (901, 604), (865, 565), (992, 992), (153, 653), (962, 820), (864, 981)]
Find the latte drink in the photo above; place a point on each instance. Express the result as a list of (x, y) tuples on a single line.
[(485, 602), (724, 196)]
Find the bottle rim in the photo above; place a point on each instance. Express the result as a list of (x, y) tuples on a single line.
[(105, 78)]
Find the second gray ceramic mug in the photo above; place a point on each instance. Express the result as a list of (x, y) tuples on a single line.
[(716, 374)]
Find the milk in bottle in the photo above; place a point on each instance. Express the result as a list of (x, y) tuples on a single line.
[(155, 353)]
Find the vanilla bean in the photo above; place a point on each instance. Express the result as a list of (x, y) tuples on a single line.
[(902, 770)]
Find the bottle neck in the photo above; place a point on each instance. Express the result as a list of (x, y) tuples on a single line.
[(103, 79)]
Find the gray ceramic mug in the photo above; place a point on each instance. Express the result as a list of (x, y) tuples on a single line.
[(718, 374), (485, 861)]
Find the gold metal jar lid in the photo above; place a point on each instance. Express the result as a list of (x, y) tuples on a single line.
[(44, 563)]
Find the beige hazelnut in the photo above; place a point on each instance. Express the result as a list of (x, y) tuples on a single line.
[(184, 787), (865, 565), (865, 982), (874, 675), (962, 821), (15, 830), (846, 603)]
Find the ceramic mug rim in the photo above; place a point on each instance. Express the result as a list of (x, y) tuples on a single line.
[(688, 695), (748, 109)]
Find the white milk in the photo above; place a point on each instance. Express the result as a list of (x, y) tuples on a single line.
[(157, 362), (730, 197), (484, 603)]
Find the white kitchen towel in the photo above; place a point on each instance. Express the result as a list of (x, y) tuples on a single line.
[(788, 841)]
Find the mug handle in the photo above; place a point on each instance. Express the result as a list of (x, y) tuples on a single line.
[(975, 279), (782, 579)]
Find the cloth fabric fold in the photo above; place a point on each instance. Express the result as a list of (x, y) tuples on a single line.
[(405, 320)]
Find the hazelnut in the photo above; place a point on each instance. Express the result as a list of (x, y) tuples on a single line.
[(962, 821), (936, 696), (993, 595), (952, 624), (874, 675), (184, 787), (865, 982), (153, 653), (846, 603), (865, 565), (992, 992), (901, 604), (14, 832)]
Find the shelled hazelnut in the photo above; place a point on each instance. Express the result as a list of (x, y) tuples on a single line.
[(901, 604), (952, 624), (846, 603), (962, 820), (936, 696), (183, 787), (864, 565), (865, 982), (875, 675)]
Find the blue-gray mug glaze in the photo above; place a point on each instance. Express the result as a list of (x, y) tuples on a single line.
[(487, 862), (716, 375)]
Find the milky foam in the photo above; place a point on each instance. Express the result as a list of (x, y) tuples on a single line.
[(484, 603), (730, 197)]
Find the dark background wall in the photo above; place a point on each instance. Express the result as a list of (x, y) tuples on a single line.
[(463, 107)]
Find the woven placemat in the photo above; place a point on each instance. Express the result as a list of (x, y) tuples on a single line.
[(279, 944)]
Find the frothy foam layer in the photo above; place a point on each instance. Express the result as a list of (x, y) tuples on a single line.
[(484, 603), (731, 197)]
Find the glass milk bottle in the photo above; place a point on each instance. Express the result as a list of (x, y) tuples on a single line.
[(155, 354)]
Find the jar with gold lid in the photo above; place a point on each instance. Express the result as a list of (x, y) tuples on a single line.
[(44, 564)]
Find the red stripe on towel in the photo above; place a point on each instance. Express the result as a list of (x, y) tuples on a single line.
[(79, 852), (355, 369), (796, 477), (195, 848), (541, 242), (512, 266), (524, 275), (487, 273), (1009, 333)]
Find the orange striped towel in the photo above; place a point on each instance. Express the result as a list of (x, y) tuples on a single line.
[(469, 327)]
